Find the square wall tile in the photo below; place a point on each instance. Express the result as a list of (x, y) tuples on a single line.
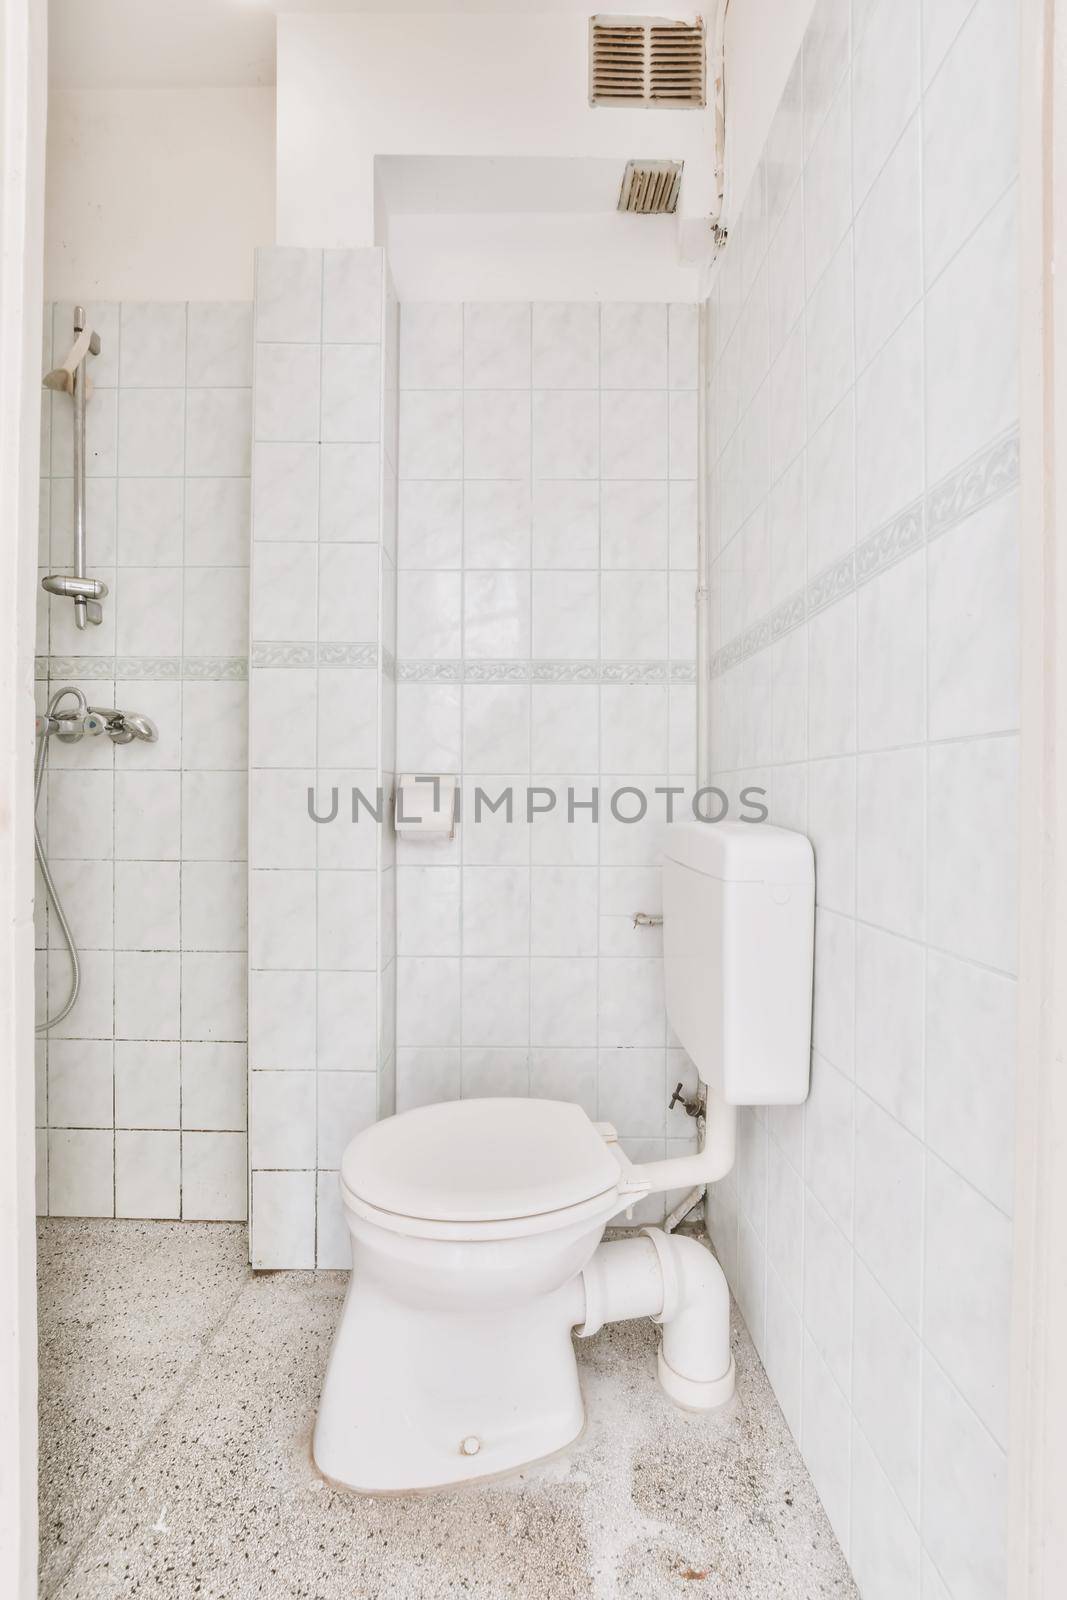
[(215, 1178), (281, 1021), (218, 430), (283, 1220), (219, 345), (147, 1085), (431, 434), (217, 522), (152, 351), (288, 294), (496, 346), (147, 1174), (282, 1119), (431, 346), (213, 1087), (347, 1103), (351, 393), (496, 433), (81, 1172), (633, 346), (352, 296), (147, 1004), (566, 345), (286, 398), (80, 1083), (213, 995), (151, 433), (285, 491)]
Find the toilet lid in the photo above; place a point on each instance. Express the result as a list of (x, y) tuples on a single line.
[(480, 1160)]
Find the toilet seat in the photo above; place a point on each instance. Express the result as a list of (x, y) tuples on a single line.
[(493, 1168)]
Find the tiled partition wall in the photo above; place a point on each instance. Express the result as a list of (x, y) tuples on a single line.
[(141, 1090), (546, 638), (322, 717), (865, 509)]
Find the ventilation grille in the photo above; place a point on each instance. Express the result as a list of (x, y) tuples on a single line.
[(651, 187), (646, 61)]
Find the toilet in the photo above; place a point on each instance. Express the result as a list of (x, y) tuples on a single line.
[(477, 1225)]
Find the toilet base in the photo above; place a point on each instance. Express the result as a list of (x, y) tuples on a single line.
[(428, 1399)]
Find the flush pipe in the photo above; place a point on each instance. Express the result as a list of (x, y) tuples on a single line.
[(712, 1161), (724, 1133), (680, 1285)]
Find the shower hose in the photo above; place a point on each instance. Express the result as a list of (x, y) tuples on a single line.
[(42, 859)]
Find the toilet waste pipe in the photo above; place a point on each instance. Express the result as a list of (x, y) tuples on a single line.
[(680, 1285)]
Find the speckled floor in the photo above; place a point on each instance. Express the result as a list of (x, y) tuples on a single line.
[(177, 1397)]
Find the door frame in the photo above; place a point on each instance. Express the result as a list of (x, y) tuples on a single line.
[(1037, 1456), (23, 90)]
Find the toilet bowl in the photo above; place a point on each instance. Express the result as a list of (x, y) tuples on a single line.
[(477, 1225), (476, 1232)]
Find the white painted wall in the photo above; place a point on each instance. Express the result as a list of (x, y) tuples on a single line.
[(354, 87), (761, 43), (547, 256), (157, 194)]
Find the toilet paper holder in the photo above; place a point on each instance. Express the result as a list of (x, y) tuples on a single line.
[(426, 803)]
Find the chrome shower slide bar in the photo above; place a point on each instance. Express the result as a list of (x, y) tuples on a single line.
[(71, 377)]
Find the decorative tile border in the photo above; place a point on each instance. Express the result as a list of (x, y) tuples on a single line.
[(348, 655), (142, 669), (282, 655), (496, 671), (360, 654), (565, 672), (986, 476), (215, 668), (87, 669), (989, 474), (429, 672), (605, 672)]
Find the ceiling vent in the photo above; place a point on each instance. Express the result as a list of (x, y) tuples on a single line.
[(646, 61), (651, 187)]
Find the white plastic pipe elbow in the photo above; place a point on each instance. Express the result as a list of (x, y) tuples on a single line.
[(695, 1363), (678, 1283)]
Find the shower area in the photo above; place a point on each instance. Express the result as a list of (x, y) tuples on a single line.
[(140, 767)]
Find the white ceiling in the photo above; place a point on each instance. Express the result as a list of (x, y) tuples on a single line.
[(145, 44)]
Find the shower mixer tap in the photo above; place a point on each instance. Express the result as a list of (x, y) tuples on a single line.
[(121, 727), (70, 725)]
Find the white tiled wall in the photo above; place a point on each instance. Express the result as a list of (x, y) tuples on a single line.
[(864, 466), (546, 638), (141, 1090), (321, 929)]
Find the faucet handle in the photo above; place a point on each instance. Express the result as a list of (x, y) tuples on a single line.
[(139, 726)]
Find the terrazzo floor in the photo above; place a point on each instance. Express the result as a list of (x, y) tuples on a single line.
[(177, 1395)]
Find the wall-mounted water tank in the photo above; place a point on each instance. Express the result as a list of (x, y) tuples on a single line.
[(738, 947)]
